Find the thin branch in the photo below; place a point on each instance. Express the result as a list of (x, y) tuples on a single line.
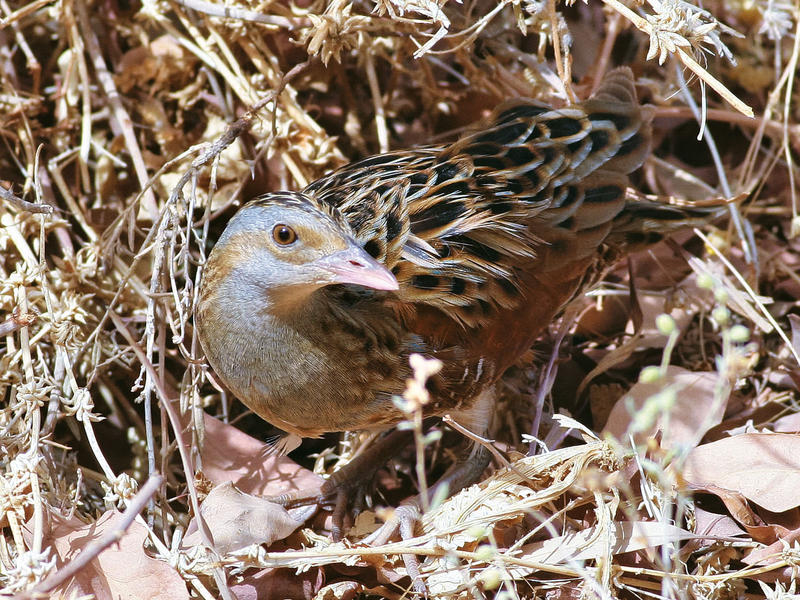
[(24, 205), (121, 115), (645, 26), (232, 12)]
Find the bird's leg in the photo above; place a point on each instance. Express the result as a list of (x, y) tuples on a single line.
[(340, 486), (466, 471), (462, 474), (405, 518)]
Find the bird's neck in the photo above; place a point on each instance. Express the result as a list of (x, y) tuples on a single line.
[(294, 301), (282, 357), (316, 312), (302, 309)]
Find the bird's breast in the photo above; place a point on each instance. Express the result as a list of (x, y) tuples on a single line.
[(329, 368)]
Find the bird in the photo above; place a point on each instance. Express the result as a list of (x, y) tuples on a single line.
[(313, 301)]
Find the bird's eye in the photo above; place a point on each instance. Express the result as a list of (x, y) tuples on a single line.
[(283, 234)]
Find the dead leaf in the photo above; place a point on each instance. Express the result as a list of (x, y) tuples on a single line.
[(714, 524), (676, 181), (763, 467), (594, 543), (653, 306), (274, 584), (604, 320), (229, 454), (151, 64), (772, 552), (741, 511), (694, 412), (123, 570), (788, 424), (236, 519), (794, 321)]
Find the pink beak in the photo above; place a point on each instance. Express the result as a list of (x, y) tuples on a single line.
[(354, 265)]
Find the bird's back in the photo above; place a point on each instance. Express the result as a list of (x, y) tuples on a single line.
[(488, 237), (491, 236)]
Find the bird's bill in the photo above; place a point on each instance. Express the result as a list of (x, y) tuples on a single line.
[(354, 265)]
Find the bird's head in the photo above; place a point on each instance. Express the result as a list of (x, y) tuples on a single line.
[(289, 245)]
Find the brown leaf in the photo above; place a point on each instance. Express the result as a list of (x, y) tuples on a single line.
[(794, 321), (604, 320), (713, 524), (278, 584), (772, 552), (787, 424), (123, 570), (763, 467), (694, 412), (236, 519), (737, 505), (652, 307), (231, 455)]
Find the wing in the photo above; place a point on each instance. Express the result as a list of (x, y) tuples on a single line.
[(457, 224)]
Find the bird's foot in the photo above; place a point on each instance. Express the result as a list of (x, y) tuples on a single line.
[(406, 517), (345, 490), (404, 520)]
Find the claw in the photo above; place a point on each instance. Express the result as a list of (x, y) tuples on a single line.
[(339, 510), (404, 520)]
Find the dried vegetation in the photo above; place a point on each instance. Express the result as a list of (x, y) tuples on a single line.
[(132, 130)]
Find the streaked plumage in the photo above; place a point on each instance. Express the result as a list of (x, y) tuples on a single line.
[(489, 238)]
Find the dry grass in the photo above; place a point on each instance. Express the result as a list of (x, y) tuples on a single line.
[(132, 131)]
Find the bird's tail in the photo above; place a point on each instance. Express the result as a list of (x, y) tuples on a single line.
[(615, 100), (645, 222)]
